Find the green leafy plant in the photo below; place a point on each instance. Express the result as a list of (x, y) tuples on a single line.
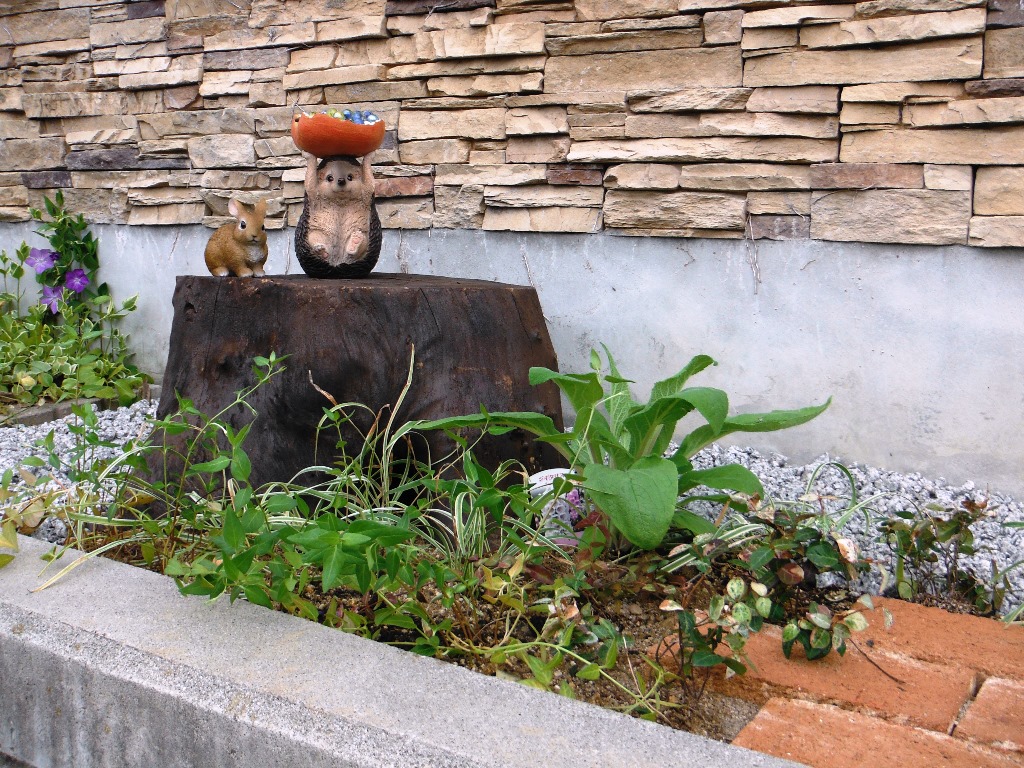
[(68, 269), (820, 630), (616, 445)]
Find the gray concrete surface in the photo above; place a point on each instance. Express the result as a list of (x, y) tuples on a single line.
[(112, 667), (920, 346)]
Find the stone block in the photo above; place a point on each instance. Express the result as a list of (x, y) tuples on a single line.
[(866, 113), (642, 176), (404, 186), (1007, 86), (597, 132), (495, 175), (723, 27), (73, 104), (13, 195), (485, 85), (896, 93), (673, 210), (435, 151), (783, 203), (406, 213), (947, 146), (996, 712), (1005, 13), (794, 16), (167, 215), (779, 227), (539, 149), (891, 216), (27, 53), (617, 42), (222, 151), (654, 69), (475, 42), (31, 154), (409, 25), (166, 196), (770, 37), (744, 177), (222, 83), (257, 58), (586, 175), (47, 179), (591, 10), (529, 121), (469, 123), (543, 196), (725, 148), (98, 206), (301, 33), (997, 231), (357, 28), (999, 191), (866, 176), (1004, 53), (374, 91), (692, 99), (952, 177), (800, 99), (553, 219), (867, 9), (461, 67), (11, 100), (459, 207), (45, 26), (267, 95), (336, 76), (931, 60), (1008, 109), (893, 29), (687, 21), (487, 157), (127, 32), (107, 136)]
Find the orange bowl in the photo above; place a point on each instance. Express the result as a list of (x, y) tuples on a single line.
[(325, 136)]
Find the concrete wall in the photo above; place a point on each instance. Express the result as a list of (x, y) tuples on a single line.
[(920, 346)]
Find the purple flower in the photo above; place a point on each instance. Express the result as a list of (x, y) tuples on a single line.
[(51, 295), (76, 280), (41, 259)]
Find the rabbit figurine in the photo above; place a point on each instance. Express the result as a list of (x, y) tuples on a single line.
[(239, 249)]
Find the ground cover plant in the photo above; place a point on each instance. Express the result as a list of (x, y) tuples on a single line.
[(66, 343), (468, 565)]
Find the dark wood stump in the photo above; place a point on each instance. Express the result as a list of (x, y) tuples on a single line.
[(474, 344)]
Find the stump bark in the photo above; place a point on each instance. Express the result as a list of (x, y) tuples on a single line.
[(474, 344)]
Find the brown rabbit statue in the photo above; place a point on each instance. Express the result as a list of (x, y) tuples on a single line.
[(239, 249), (338, 234)]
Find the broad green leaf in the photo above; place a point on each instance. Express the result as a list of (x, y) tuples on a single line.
[(674, 384), (735, 588), (654, 423), (711, 403), (730, 477), (741, 612), (214, 465), (688, 521), (856, 622), (333, 562), (535, 423), (583, 390), (789, 632), (749, 422), (639, 501), (707, 659), (763, 606), (589, 672), (9, 535), (621, 402), (234, 536)]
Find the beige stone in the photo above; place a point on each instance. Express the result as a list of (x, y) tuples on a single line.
[(488, 157), (731, 124), (27, 28), (688, 99), (551, 219), (10, 100), (951, 177), (579, 101), (952, 146), (653, 69), (600, 120), (218, 179), (235, 39), (540, 149), (280, 147), (135, 66), (410, 25), (920, 26), (373, 91), (494, 175), (17, 127), (459, 207), (688, 21), (127, 32), (589, 10), (723, 27), (642, 176), (597, 132), (336, 76), (896, 93), (164, 195), (543, 196), (151, 80), (98, 206), (800, 99), (163, 147), (672, 210), (866, 176), (468, 67), (781, 203), (320, 57), (276, 12), (873, 8), (31, 154), (958, 58), (267, 95), (862, 113), (891, 216), (528, 121), (720, 234), (1004, 52), (615, 42), (456, 102), (744, 177), (470, 43), (50, 48), (70, 104), (726, 148), (137, 50), (109, 136), (485, 85), (221, 83), (112, 179), (779, 227), (787, 17), (967, 112), (468, 123), (165, 215), (435, 151), (357, 28), (13, 195), (770, 37), (222, 151), (997, 231), (999, 191), (406, 213)]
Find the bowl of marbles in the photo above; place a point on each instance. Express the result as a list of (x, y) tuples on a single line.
[(349, 132)]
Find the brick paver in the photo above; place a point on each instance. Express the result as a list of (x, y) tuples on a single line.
[(996, 716)]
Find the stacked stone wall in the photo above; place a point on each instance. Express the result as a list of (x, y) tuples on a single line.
[(898, 121)]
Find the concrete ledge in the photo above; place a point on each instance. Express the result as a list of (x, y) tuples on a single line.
[(112, 667)]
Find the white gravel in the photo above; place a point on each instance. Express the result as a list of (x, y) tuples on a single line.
[(894, 491)]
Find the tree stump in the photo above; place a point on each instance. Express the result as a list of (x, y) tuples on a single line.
[(475, 342)]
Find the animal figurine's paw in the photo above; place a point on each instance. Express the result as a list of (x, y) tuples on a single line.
[(356, 242), (320, 250)]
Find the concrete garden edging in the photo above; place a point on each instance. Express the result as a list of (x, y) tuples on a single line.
[(113, 667)]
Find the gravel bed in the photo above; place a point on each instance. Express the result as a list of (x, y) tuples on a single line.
[(891, 492)]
